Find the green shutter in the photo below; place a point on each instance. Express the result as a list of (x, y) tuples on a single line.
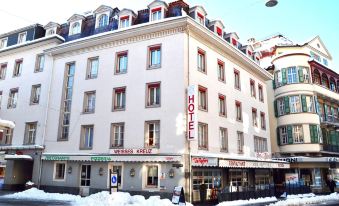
[(273, 84), (275, 108), (325, 112), (333, 139), (303, 103), (278, 137), (301, 74), (283, 74), (287, 104), (289, 134), (314, 133)]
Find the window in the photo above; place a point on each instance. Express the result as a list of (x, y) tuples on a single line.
[(154, 57), (117, 135), (219, 31), (3, 43), (35, 94), (292, 76), (238, 111), (30, 133), (152, 176), (85, 178), (202, 136), (156, 14), (121, 63), (202, 98), (221, 71), (75, 28), (281, 106), (295, 104), (254, 117), (200, 18), (261, 93), (89, 102), (51, 32), (13, 98), (260, 144), (40, 62), (240, 141), (315, 56), (325, 62), (278, 78), (262, 120), (152, 136), (309, 102), (3, 68), (7, 135), (119, 102), (201, 61), (17, 68), (92, 68), (252, 86), (298, 134), (237, 79), (223, 139), (0, 98), (86, 137), (103, 20), (22, 37), (283, 135), (124, 22), (153, 94), (222, 105), (59, 171)]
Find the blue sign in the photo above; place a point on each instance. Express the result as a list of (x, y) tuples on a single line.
[(114, 179)]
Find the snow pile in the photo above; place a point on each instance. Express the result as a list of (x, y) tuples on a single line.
[(248, 202), (30, 183), (305, 199)]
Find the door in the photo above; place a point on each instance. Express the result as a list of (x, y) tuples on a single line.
[(85, 180), (117, 168)]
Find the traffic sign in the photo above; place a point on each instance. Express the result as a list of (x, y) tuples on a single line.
[(114, 179)]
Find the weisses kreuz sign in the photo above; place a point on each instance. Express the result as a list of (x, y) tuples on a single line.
[(192, 121)]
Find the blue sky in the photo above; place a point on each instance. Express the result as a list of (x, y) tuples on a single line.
[(299, 20)]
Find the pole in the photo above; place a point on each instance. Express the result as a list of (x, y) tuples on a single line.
[(110, 181), (117, 179)]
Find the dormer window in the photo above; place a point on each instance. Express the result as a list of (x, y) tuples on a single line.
[(51, 32), (200, 18), (51, 28), (103, 20), (22, 37), (75, 28), (3, 43), (124, 21), (156, 14), (219, 31), (234, 42)]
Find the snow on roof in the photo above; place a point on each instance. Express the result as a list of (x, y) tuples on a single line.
[(18, 157), (7, 123)]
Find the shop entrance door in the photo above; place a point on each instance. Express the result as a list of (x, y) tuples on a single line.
[(117, 168), (85, 180), (238, 179)]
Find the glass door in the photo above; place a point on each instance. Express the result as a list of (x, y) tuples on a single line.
[(85, 178)]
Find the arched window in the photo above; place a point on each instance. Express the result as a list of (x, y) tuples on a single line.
[(316, 77), (332, 84), (103, 20), (75, 28), (324, 81)]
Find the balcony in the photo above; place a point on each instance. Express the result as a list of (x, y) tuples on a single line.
[(329, 120), (330, 148)]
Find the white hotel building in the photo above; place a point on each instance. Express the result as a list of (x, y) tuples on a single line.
[(118, 100)]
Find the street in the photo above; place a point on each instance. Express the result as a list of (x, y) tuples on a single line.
[(15, 202)]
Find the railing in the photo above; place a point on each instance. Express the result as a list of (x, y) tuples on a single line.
[(329, 119), (330, 148)]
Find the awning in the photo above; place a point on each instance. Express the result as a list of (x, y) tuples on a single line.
[(21, 147), (253, 164), (18, 157), (301, 159), (6, 123), (114, 158)]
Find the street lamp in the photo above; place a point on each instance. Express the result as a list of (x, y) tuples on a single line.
[(271, 3)]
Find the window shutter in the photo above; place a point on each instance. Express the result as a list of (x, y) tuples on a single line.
[(275, 108), (301, 74), (316, 134), (273, 83), (312, 133), (333, 139), (289, 134), (278, 136), (287, 104), (303, 103), (325, 112), (283, 74)]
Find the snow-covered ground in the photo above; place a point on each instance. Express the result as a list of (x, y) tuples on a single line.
[(306, 199), (248, 202), (101, 198)]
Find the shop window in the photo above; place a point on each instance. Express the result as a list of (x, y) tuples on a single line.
[(86, 137), (121, 63), (153, 94), (35, 94), (30, 133), (202, 136), (119, 99), (152, 176), (85, 177), (59, 171), (92, 68), (89, 102), (152, 134), (117, 135)]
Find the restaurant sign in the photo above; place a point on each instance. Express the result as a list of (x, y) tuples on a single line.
[(204, 161), (134, 151), (252, 164)]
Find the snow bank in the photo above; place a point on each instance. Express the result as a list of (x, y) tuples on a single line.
[(247, 202), (305, 199), (101, 198)]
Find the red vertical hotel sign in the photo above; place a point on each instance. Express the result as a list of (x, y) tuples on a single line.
[(192, 123)]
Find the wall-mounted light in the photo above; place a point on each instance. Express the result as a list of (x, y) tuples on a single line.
[(101, 171), (69, 170), (132, 172), (171, 173)]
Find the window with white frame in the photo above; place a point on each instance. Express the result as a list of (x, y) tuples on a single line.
[(121, 63), (202, 136), (7, 136), (222, 105), (292, 75), (92, 68), (3, 68), (200, 18), (22, 37), (221, 71), (17, 67), (152, 134), (236, 79), (156, 14), (40, 63), (295, 104), (306, 74), (35, 94), (75, 28), (13, 98), (283, 135), (223, 139), (153, 94), (309, 102), (260, 144), (154, 56), (238, 111), (281, 106), (89, 102), (152, 175), (201, 61), (117, 135), (59, 171), (86, 137), (278, 78), (3, 43), (240, 142), (202, 98), (124, 21), (298, 134), (103, 20), (30, 133), (254, 117), (119, 101), (85, 177)]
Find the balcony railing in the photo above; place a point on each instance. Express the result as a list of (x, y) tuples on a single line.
[(329, 119), (330, 148)]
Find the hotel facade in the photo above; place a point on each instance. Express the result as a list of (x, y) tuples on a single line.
[(164, 97)]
